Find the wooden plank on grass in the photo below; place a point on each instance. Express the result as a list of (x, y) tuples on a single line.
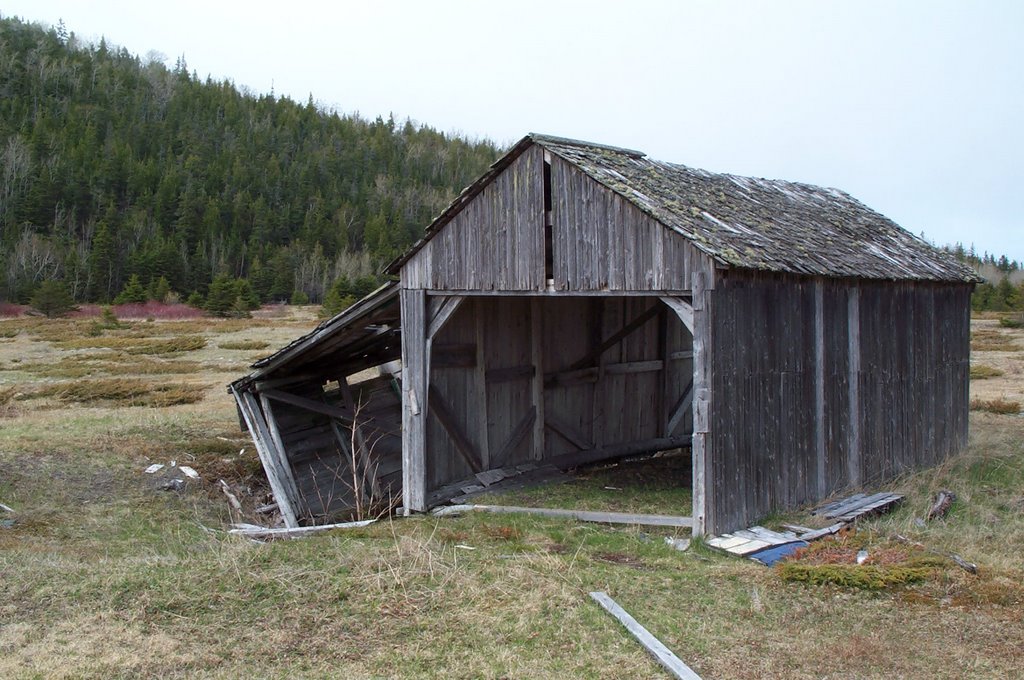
[(850, 506), (591, 516), (256, 531), (829, 507), (662, 654)]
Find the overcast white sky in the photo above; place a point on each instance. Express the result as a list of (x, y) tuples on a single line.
[(916, 108)]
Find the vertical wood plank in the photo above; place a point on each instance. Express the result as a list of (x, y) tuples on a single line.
[(704, 498), (537, 352), (284, 466), (265, 448), (821, 485), (480, 385), (853, 349), (415, 382)]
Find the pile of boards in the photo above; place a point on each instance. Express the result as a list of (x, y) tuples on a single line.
[(768, 547)]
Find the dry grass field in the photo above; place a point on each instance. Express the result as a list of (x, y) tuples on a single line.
[(105, 575)]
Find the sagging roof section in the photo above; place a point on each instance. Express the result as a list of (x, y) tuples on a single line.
[(366, 334), (744, 222)]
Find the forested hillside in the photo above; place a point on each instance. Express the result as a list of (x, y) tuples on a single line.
[(111, 166)]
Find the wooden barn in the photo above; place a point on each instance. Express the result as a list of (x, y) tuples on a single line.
[(581, 302)]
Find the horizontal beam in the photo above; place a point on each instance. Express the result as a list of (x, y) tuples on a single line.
[(560, 293), (339, 412), (591, 373), (580, 515), (569, 460)]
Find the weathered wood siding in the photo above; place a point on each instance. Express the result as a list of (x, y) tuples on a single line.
[(891, 393), (495, 243), (483, 369), (602, 242)]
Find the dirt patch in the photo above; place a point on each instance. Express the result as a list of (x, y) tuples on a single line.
[(622, 559)]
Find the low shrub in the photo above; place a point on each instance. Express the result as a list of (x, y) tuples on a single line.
[(861, 576), (1001, 406), (243, 344), (122, 392), (981, 372)]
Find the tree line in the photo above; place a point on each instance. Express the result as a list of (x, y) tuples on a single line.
[(112, 167), (1003, 287)]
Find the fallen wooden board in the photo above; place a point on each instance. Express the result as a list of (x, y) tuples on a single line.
[(581, 515), (746, 541), (6, 508), (880, 505), (256, 531), (828, 507), (662, 654), (856, 505), (813, 534)]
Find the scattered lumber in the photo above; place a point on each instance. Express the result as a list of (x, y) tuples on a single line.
[(943, 502), (580, 515), (662, 654), (256, 531), (858, 505), (748, 541)]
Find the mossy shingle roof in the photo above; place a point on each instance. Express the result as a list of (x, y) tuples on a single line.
[(745, 222)]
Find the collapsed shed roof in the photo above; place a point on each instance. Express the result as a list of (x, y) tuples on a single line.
[(366, 334), (744, 222)]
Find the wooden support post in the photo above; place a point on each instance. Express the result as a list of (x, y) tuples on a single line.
[(703, 483), (287, 476), (265, 449), (537, 351), (821, 483), (853, 461), (415, 381)]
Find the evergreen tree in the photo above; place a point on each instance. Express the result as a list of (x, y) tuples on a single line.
[(52, 299), (132, 292), (220, 299)]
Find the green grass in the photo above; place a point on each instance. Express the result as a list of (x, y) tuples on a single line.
[(656, 486)]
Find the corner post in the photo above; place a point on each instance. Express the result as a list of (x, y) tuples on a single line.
[(415, 383), (703, 476)]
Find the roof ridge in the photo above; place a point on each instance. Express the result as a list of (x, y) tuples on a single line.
[(545, 140)]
